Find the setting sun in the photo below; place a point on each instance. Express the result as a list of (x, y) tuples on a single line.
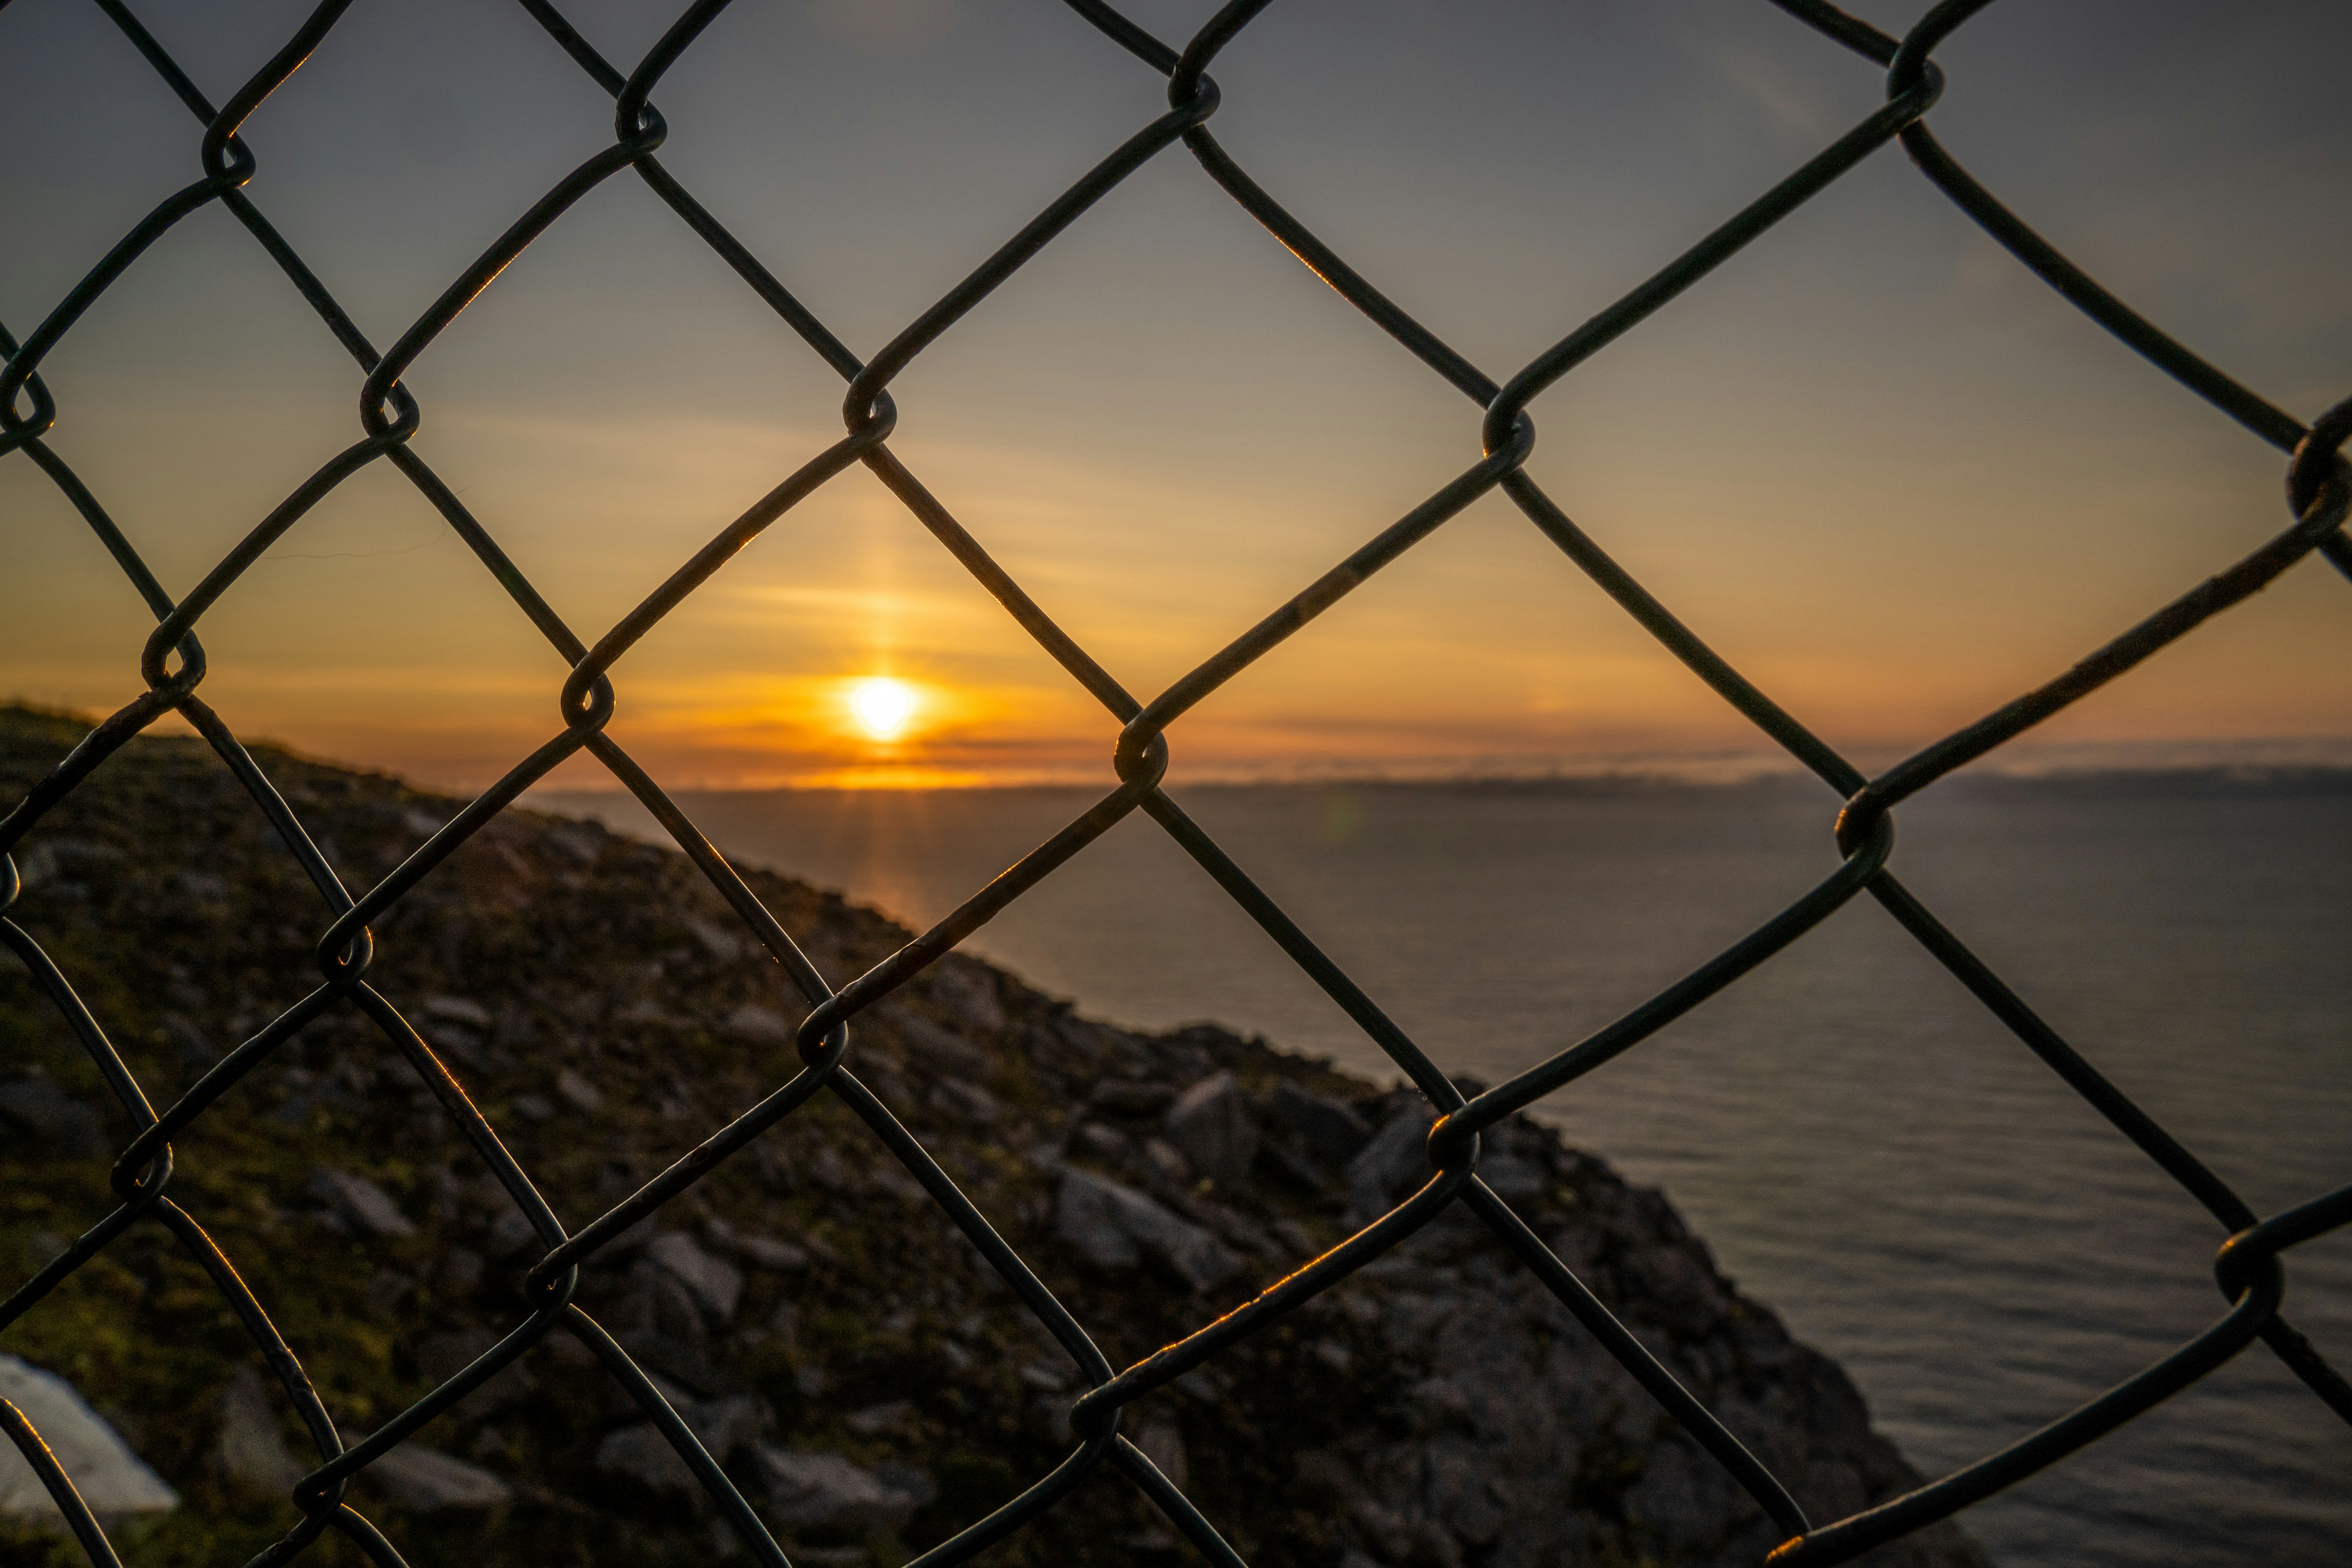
[(882, 706)]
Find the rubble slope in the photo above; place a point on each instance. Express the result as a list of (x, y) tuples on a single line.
[(864, 1377)]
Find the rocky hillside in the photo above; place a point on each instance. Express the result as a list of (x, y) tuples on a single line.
[(870, 1384)]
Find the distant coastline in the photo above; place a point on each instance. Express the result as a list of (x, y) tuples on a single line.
[(2300, 766)]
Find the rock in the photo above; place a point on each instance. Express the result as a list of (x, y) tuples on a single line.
[(647, 1010), (1275, 1159), (657, 1302), (48, 1124), (582, 840), (1325, 1130), (1479, 1397), (1050, 1416), (873, 1420), (724, 1427), (1115, 1227), (1131, 1097), (358, 1201), (642, 1454), (388, 1291), (578, 1092), (510, 1232), (1438, 1409), (767, 1252), (967, 1102), (716, 1285), (723, 944), (424, 1480), (1393, 1164), (110, 1478), (49, 859), (1164, 1446), (915, 1485), (461, 1271), (249, 1450), (727, 1427), (1674, 1499), (193, 1048), (1516, 1179), (1101, 1142), (1040, 1375), (683, 1360), (754, 1025), (1167, 1162), (965, 989), (457, 1010), (457, 1028), (443, 1356), (935, 1047), (809, 1490), (1211, 1125)]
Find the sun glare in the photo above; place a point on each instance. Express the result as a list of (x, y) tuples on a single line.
[(882, 706)]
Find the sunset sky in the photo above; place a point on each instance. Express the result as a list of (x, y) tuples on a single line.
[(1878, 465)]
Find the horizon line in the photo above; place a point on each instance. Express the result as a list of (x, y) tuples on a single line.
[(2250, 759)]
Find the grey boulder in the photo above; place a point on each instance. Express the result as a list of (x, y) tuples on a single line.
[(716, 1285), (1117, 1227), (423, 1481), (358, 1201), (810, 1490), (643, 1455), (443, 1356), (1210, 1123), (1392, 1166), (755, 1026), (249, 1450), (1325, 1130), (110, 1478)]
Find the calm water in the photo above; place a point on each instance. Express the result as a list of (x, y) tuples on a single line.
[(1864, 1148)]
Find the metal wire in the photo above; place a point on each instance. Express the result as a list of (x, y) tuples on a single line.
[(2248, 1266)]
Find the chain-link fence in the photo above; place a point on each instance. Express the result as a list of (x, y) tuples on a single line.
[(2248, 1266)]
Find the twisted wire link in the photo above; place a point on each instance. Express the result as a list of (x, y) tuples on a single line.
[(2248, 1267)]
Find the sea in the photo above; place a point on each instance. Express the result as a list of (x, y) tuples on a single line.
[(1865, 1149)]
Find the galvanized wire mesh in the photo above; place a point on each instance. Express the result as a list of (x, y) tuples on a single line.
[(2248, 1266)]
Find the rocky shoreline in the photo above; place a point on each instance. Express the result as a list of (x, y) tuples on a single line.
[(867, 1382)]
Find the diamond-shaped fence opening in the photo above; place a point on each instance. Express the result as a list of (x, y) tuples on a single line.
[(2249, 1265)]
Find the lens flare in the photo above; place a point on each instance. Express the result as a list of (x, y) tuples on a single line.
[(882, 706)]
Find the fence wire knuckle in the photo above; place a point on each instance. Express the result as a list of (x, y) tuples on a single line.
[(2249, 1265)]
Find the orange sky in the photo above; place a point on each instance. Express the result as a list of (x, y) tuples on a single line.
[(1878, 466)]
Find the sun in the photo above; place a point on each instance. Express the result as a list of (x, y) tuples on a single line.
[(882, 706)]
